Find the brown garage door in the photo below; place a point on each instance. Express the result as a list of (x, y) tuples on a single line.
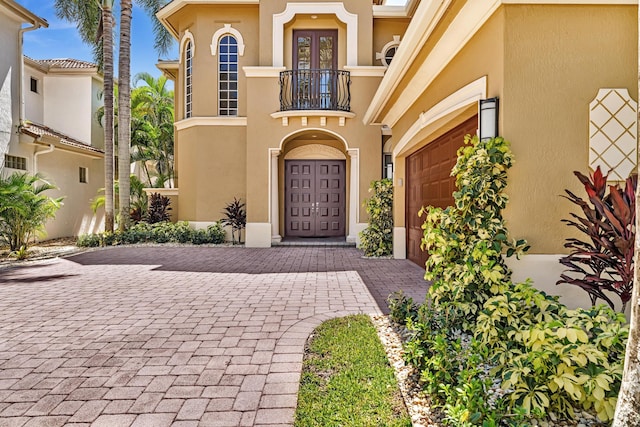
[(429, 182)]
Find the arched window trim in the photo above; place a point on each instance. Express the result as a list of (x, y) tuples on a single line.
[(383, 54), (227, 29), (187, 37)]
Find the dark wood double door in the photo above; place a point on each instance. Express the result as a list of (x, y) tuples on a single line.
[(429, 182), (315, 195)]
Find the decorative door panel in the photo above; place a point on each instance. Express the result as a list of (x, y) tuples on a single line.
[(315, 198)]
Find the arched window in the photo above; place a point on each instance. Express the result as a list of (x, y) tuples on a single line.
[(188, 80), (228, 76)]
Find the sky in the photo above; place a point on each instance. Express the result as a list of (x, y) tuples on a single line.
[(61, 40)]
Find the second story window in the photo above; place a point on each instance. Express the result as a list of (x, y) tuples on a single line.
[(188, 72), (34, 85), (83, 175), (228, 76)]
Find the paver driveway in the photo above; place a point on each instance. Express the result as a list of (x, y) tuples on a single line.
[(167, 336)]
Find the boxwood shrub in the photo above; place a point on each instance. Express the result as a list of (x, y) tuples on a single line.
[(161, 232)]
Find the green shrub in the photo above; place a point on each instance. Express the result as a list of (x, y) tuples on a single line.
[(88, 241), (161, 232), (182, 232), (24, 209), (487, 350), (377, 238)]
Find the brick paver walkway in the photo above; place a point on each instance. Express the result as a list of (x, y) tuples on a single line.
[(175, 336)]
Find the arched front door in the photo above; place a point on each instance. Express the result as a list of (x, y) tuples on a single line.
[(315, 196)]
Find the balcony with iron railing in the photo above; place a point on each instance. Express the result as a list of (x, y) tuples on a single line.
[(315, 89)]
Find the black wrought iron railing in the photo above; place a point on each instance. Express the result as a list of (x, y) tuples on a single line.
[(315, 90)]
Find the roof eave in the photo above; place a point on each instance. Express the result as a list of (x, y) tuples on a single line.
[(169, 69), (24, 14), (166, 12)]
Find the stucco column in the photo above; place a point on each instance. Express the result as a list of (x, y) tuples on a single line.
[(354, 194), (274, 201)]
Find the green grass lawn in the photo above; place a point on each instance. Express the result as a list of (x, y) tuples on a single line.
[(346, 379)]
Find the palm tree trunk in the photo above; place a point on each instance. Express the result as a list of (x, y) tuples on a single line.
[(107, 46), (628, 407), (124, 112)]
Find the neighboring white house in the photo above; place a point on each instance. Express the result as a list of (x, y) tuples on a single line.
[(48, 123)]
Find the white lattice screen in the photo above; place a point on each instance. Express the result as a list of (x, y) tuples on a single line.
[(613, 133)]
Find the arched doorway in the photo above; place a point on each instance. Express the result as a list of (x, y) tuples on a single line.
[(315, 168)]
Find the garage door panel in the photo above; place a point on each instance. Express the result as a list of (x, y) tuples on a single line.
[(429, 182)]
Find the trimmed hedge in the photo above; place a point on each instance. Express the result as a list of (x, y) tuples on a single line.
[(161, 232)]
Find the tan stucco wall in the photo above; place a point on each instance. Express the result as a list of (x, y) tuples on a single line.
[(482, 56), (556, 59), (546, 63), (264, 132), (383, 32), (212, 166), (365, 27), (203, 21)]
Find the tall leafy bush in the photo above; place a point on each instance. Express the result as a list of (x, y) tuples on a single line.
[(24, 208), (602, 264), (377, 238), (491, 352)]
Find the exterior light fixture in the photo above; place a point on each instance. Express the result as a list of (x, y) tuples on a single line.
[(488, 118)]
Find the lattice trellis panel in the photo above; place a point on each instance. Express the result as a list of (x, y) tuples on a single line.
[(613, 133)]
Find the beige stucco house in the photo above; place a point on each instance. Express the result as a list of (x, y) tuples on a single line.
[(295, 106), (48, 123)]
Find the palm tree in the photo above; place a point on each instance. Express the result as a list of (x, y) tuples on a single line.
[(152, 127), (124, 112), (124, 97), (94, 20)]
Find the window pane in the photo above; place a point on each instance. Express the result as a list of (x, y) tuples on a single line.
[(227, 75), (326, 52)]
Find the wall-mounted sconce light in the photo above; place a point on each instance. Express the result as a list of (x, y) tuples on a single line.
[(488, 118)]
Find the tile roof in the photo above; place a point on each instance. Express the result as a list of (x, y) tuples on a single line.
[(37, 130), (65, 63)]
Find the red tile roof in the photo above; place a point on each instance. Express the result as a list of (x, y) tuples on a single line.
[(37, 130), (65, 63)]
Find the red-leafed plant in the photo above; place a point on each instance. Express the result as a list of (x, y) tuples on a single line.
[(603, 263)]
